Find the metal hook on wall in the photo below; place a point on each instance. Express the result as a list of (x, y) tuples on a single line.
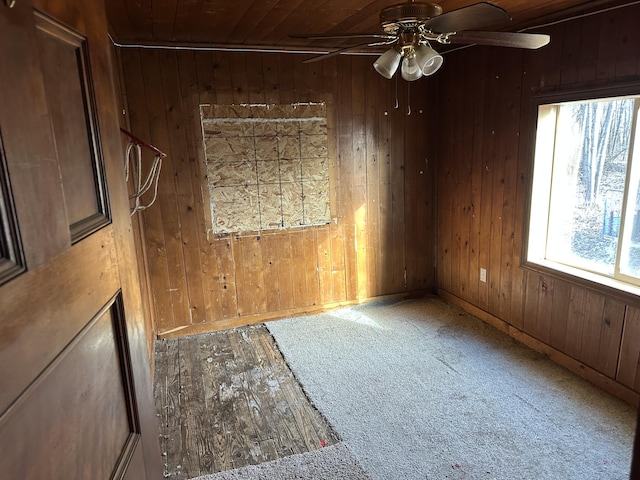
[(134, 155)]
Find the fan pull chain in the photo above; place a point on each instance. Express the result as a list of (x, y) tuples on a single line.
[(408, 99), (396, 86)]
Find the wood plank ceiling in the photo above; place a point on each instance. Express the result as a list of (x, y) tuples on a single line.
[(268, 23)]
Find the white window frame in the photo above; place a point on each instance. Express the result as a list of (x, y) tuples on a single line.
[(536, 219)]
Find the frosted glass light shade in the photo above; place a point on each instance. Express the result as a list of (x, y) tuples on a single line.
[(387, 63), (428, 59), (410, 69)]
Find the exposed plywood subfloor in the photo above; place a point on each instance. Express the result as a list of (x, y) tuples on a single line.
[(228, 399)]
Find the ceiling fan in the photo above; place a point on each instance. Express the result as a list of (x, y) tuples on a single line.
[(409, 27)]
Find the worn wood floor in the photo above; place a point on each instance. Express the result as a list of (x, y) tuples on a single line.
[(228, 399)]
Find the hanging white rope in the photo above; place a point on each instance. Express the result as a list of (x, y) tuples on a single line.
[(134, 156)]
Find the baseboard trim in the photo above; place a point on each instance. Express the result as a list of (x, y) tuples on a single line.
[(607, 384), (225, 324)]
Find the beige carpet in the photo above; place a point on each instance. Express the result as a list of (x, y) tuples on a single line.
[(421, 390), (335, 462)]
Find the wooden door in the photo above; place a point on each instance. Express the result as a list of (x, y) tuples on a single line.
[(75, 390)]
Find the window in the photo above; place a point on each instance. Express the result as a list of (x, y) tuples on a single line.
[(267, 166), (585, 201)]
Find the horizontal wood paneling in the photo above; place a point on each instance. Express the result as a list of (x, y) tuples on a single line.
[(381, 239), (271, 22), (484, 169)]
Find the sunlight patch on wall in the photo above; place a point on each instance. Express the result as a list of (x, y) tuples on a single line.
[(267, 166)]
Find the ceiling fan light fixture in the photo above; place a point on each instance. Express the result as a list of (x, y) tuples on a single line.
[(387, 63), (428, 59), (408, 27), (410, 69)]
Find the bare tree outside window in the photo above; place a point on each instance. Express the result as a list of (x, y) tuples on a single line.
[(591, 206)]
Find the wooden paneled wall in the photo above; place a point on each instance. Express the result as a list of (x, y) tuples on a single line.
[(382, 238), (484, 168), (137, 225)]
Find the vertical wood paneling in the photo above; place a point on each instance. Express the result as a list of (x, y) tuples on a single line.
[(373, 156), (443, 225), (625, 51), (575, 321), (610, 333), (608, 41), (379, 198), (346, 167), (195, 70), (167, 199), (188, 222), (456, 176), (537, 288), (486, 167), (384, 233), (499, 85), (204, 83), (299, 276), (285, 78), (301, 80), (629, 367), (255, 78), (358, 212), (559, 314), (475, 201), (589, 45), (137, 223), (325, 284), (311, 269), (250, 280), (464, 136), (584, 323), (270, 260), (285, 273), (156, 250), (424, 254), (510, 115), (223, 251), (270, 82), (397, 164), (222, 82), (570, 49)]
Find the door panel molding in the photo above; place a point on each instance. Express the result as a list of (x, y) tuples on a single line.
[(82, 403), (71, 100), (75, 396), (28, 141), (43, 309), (12, 261), (133, 442)]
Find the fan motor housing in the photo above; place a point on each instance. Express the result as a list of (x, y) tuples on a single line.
[(407, 15)]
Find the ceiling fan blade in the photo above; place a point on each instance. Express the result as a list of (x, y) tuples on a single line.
[(531, 41), (479, 15), (343, 50), (343, 35)]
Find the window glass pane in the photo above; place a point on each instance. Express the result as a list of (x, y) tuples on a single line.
[(630, 251), (590, 163)]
